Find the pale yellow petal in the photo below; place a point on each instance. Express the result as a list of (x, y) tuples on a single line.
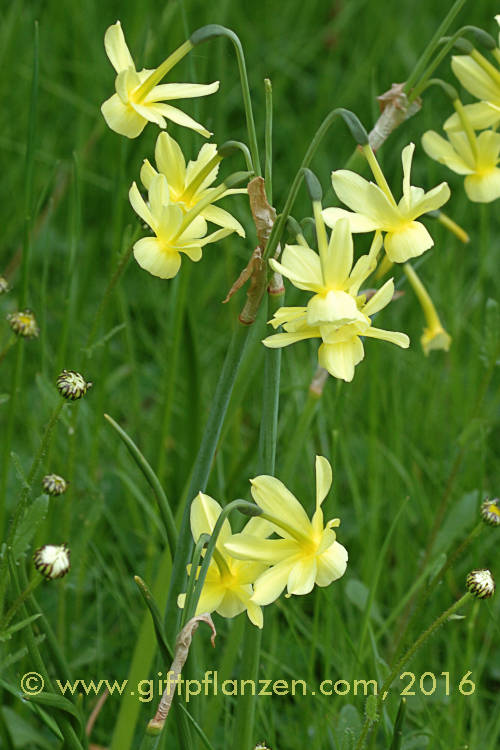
[(116, 48), (150, 112), (270, 584), (483, 188), (394, 337), (475, 79), (302, 577), (341, 359), (193, 252), (255, 614), (170, 91), (333, 307), (357, 222), (147, 173), (151, 255), (210, 598), (276, 500), (277, 340), (488, 146), (338, 262), (380, 299), (223, 218), (243, 546), (409, 242), (480, 115), (323, 479), (140, 207), (233, 602), (170, 161), (122, 118), (332, 564), (406, 158), (365, 198), (181, 118), (439, 149), (430, 201), (204, 514), (301, 265)]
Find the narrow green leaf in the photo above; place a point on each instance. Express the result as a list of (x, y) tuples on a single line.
[(33, 517)]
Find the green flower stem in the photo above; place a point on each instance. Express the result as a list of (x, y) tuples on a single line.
[(243, 736), (280, 224), (23, 287), (8, 346), (177, 341), (268, 164), (214, 30), (422, 64), (189, 605), (427, 590), (36, 662), (24, 497), (159, 493), (382, 695), (296, 443), (30, 588), (201, 471)]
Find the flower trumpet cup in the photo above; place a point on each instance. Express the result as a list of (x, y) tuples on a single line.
[(138, 99), (307, 553)]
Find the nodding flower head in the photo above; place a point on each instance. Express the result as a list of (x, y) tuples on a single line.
[(72, 385)]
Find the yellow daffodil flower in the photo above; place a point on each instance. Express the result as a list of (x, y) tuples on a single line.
[(175, 231), (375, 207), (138, 99), (336, 313), (476, 157), (307, 553), (434, 335), (188, 185), (481, 79), (227, 589)]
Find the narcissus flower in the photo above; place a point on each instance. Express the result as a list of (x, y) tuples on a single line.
[(189, 185), (52, 561), (175, 230), (481, 79), (139, 99), (337, 314), (476, 157), (434, 335), (375, 207), (307, 553), (227, 589)]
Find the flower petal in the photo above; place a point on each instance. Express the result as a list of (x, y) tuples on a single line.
[(394, 337), (277, 340), (169, 91), (380, 299), (365, 198), (430, 201), (147, 173), (122, 118), (181, 118), (223, 218), (243, 546), (170, 161), (483, 188), (323, 479), (116, 48), (255, 614), (334, 307), (331, 564), (475, 79), (234, 601), (302, 577), (210, 598), (276, 500), (341, 359), (409, 242), (150, 253), (270, 584), (204, 514), (140, 207), (442, 151), (357, 222), (338, 263), (301, 265), (480, 115)]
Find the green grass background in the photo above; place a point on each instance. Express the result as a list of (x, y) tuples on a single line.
[(394, 433)]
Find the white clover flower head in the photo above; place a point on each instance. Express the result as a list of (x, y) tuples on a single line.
[(52, 561), (480, 584), (4, 285), (53, 484), (490, 512), (24, 324), (72, 385)]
